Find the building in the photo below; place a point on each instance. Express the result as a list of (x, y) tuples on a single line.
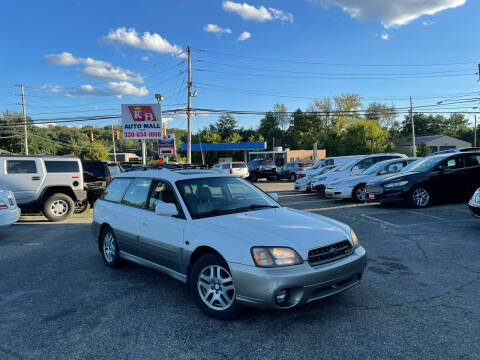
[(125, 157), (433, 142)]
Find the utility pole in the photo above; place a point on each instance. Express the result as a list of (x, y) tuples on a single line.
[(414, 149), (24, 113), (189, 108), (475, 132), (114, 147)]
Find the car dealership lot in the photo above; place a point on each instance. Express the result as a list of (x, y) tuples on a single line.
[(418, 299)]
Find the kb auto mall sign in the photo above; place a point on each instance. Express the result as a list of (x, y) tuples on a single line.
[(141, 121)]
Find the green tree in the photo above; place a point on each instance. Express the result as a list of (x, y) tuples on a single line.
[(385, 115), (423, 150), (362, 136), (95, 151), (225, 125), (270, 129)]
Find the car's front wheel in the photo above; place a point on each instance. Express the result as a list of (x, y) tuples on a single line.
[(360, 193), (293, 177), (109, 248), (254, 176), (420, 197), (212, 287)]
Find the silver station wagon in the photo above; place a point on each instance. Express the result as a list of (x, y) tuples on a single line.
[(229, 241)]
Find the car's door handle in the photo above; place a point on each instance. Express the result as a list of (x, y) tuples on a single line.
[(35, 177), (144, 224)]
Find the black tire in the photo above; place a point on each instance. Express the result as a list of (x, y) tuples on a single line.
[(200, 266), (254, 177), (420, 197), (81, 206), (293, 177), (58, 207), (110, 258), (356, 193)]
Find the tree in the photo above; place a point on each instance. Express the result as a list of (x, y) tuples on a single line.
[(95, 151), (363, 136), (423, 150), (270, 128), (385, 115), (280, 113), (225, 126)]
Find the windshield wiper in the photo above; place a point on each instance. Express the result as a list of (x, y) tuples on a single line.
[(216, 212)]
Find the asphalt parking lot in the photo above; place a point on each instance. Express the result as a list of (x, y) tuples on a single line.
[(418, 299)]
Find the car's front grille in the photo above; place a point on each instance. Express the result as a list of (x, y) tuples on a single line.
[(373, 189), (329, 253)]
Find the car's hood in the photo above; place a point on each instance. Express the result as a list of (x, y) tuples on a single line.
[(297, 229)]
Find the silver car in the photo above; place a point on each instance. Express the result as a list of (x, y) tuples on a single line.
[(230, 242)]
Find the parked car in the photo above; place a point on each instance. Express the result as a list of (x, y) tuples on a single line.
[(354, 167), (262, 169), (304, 184), (48, 184), (291, 171), (474, 204), (435, 178), (9, 211), (96, 177), (229, 241), (451, 151), (114, 169), (354, 187), (333, 161), (238, 168)]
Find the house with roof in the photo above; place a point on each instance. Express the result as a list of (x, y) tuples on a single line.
[(433, 142)]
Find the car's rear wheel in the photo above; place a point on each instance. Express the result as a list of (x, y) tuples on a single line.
[(420, 197), (254, 176), (293, 177), (212, 287), (81, 206), (58, 207), (109, 248), (359, 193)]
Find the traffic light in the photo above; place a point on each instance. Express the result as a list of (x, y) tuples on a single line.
[(92, 139), (117, 135)]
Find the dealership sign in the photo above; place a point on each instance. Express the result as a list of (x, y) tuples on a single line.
[(141, 121), (166, 145)]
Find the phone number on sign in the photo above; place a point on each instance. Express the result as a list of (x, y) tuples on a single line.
[(142, 134)]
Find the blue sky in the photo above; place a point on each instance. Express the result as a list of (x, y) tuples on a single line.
[(80, 58)]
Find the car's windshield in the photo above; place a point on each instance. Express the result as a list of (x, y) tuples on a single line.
[(426, 164), (347, 165), (318, 163), (216, 196), (374, 168)]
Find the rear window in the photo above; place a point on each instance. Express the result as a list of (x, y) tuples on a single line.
[(21, 167), (238, 165), (114, 192), (61, 166), (95, 168)]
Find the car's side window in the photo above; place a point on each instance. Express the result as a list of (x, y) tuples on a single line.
[(162, 191), (394, 167), (364, 164), (454, 163), (473, 160), (137, 193), (114, 192), (21, 167)]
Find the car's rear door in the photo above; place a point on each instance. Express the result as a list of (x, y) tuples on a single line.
[(24, 177), (472, 167), (161, 237)]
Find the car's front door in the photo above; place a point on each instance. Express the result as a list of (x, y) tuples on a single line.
[(161, 237), (472, 167), (451, 179)]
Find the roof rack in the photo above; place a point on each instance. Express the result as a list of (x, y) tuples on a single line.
[(168, 166)]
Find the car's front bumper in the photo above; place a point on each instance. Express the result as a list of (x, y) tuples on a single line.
[(9, 216), (338, 193), (259, 287), (393, 195)]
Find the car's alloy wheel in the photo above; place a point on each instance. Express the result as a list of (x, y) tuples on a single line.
[(420, 197), (293, 177), (360, 193), (109, 248), (81, 206), (215, 286)]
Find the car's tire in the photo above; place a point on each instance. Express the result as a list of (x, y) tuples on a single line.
[(420, 197), (58, 207), (81, 206), (293, 177), (212, 287), (359, 193), (254, 176), (109, 248)]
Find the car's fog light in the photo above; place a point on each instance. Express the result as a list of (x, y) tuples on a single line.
[(282, 297)]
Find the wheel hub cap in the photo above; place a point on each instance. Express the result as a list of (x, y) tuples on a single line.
[(109, 247), (215, 287)]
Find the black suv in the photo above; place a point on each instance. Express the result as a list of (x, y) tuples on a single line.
[(262, 169), (96, 177)]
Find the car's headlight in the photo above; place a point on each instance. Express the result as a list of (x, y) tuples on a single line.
[(354, 239), (275, 256), (476, 196), (396, 184)]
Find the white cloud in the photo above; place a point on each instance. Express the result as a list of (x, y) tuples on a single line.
[(428, 22), (147, 41), (385, 36), (112, 73), (145, 58), (213, 28), (64, 58), (126, 88), (244, 36), (261, 14), (53, 89), (392, 13)]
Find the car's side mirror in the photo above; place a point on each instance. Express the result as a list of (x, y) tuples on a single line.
[(442, 168), (165, 209), (382, 172), (273, 195)]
